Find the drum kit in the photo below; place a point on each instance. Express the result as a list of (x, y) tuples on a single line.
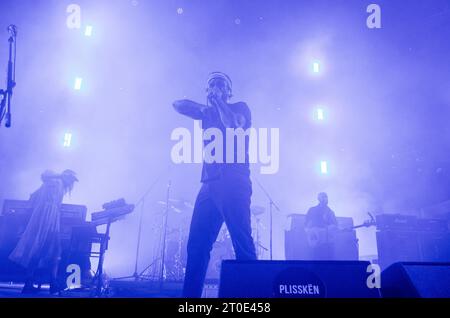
[(257, 212), (179, 214)]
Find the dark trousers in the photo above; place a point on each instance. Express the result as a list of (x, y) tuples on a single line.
[(224, 200)]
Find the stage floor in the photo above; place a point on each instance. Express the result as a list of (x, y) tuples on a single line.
[(117, 289)]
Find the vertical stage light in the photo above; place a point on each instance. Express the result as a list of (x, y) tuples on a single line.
[(320, 114), (324, 167), (67, 140), (78, 82), (316, 67), (88, 31)]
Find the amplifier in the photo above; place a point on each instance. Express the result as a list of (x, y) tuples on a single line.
[(412, 246), (432, 225), (16, 207), (23, 208), (396, 246), (396, 222), (296, 243), (386, 222), (13, 222)]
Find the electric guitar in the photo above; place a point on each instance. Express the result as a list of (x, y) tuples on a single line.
[(320, 235)]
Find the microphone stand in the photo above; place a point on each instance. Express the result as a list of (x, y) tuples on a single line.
[(272, 205), (136, 276), (5, 105)]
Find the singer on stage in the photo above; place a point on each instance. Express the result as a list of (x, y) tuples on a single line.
[(226, 188)]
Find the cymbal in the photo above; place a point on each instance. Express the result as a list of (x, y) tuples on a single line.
[(177, 206), (257, 210), (172, 201)]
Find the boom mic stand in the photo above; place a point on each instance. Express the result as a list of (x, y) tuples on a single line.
[(5, 104), (272, 205), (136, 275)]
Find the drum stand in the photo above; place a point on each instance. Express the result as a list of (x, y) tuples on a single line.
[(272, 205), (259, 246), (163, 242), (166, 218)]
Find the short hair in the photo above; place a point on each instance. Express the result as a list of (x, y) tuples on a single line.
[(321, 194)]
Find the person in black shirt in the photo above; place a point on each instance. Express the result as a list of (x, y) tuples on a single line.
[(320, 227), (226, 189)]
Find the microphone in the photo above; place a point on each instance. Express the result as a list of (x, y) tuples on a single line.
[(12, 29), (212, 98), (210, 94)]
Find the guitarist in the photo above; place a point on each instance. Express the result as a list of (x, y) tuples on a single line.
[(320, 225)]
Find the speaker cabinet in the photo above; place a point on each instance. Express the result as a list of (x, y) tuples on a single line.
[(345, 243), (397, 246), (412, 246)]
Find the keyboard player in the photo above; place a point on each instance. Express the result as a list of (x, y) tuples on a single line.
[(40, 244)]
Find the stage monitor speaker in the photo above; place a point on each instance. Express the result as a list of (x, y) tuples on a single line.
[(295, 279), (416, 280)]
